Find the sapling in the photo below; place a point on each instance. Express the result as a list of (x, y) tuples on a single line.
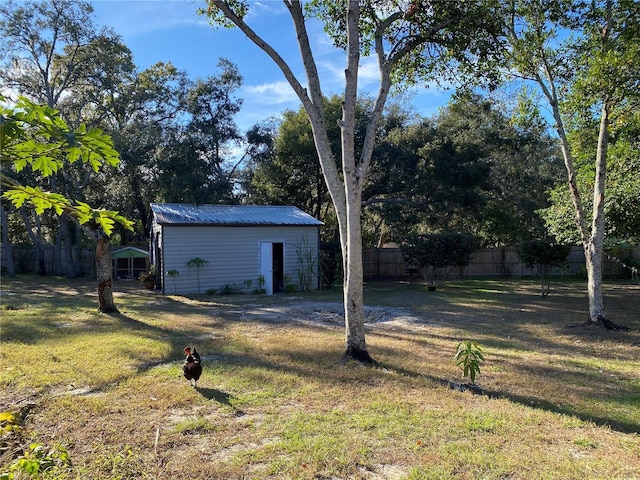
[(197, 262), (173, 274), (468, 357)]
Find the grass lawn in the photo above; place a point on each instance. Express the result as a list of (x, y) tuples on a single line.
[(560, 401)]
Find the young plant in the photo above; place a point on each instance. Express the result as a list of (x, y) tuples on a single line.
[(307, 264), (149, 278), (173, 274), (197, 262), (469, 357), (261, 282)]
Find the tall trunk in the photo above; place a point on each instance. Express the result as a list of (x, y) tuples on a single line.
[(63, 250), (4, 225), (344, 187), (41, 266), (594, 250), (104, 272), (592, 242), (32, 236), (356, 347)]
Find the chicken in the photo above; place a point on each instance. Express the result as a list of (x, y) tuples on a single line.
[(192, 366)]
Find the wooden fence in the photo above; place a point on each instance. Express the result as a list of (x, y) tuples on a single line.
[(387, 263), (24, 259), (378, 263)]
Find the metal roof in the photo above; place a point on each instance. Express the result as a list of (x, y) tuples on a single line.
[(230, 215)]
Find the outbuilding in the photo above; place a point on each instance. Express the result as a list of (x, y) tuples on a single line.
[(129, 263), (233, 248)]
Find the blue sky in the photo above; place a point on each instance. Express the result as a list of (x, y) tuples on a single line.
[(172, 31)]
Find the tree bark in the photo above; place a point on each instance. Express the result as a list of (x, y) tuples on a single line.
[(63, 248), (593, 251), (593, 241), (356, 347), (4, 225), (345, 189), (104, 272)]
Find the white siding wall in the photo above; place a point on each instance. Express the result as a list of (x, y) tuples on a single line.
[(233, 254)]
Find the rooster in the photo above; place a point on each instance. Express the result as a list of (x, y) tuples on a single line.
[(192, 367)]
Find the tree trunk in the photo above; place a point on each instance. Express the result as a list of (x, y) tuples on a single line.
[(344, 187), (63, 250), (104, 272), (41, 266), (38, 262), (594, 251), (593, 245), (4, 225), (356, 346)]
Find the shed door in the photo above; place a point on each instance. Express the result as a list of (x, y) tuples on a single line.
[(266, 266), (272, 266)]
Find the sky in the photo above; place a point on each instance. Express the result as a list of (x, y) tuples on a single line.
[(172, 31)]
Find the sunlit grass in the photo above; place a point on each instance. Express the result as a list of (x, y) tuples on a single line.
[(275, 401)]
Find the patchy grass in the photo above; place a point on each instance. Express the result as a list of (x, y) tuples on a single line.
[(560, 402)]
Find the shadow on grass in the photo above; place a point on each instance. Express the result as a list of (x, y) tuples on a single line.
[(492, 327), (531, 402), (223, 398)]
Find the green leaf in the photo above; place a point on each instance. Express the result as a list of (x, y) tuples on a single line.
[(46, 165)]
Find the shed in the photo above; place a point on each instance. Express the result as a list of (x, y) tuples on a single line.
[(243, 248), (129, 263)]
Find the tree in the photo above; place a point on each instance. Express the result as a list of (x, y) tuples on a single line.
[(48, 47), (51, 50), (471, 168), (141, 112), (410, 41), (584, 58), (543, 255), (438, 254), (195, 163), (34, 136), (622, 211)]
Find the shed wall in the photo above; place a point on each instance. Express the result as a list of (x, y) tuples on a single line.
[(232, 253)]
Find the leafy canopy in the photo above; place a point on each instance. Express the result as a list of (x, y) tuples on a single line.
[(34, 136)]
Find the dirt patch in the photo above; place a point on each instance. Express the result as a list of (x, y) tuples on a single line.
[(326, 313)]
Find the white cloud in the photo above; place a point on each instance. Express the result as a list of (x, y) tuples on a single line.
[(132, 18), (368, 73), (275, 93), (265, 8)]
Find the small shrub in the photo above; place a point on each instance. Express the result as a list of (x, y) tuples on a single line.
[(198, 263), (148, 279), (211, 291), (260, 290), (469, 357), (173, 274), (37, 461), (231, 289), (307, 264), (289, 287)]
